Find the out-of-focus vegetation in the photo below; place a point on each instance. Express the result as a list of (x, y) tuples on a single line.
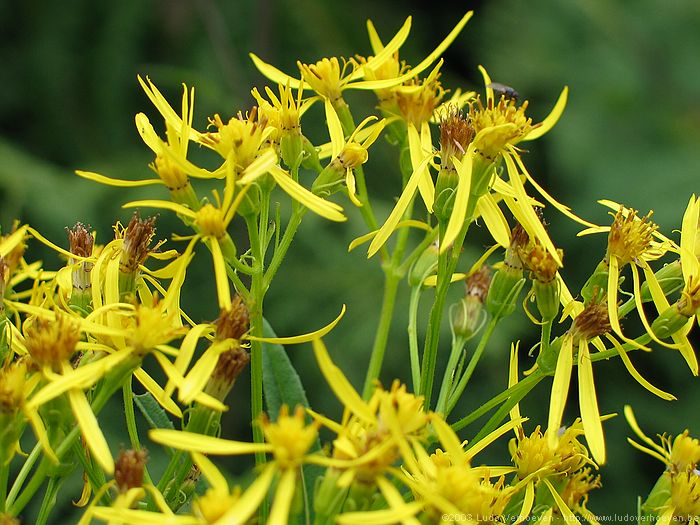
[(630, 133)]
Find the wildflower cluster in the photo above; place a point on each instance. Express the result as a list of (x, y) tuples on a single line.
[(74, 337)]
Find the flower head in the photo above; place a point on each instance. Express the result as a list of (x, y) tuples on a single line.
[(630, 237)]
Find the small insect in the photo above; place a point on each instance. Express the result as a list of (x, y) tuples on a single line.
[(504, 91)]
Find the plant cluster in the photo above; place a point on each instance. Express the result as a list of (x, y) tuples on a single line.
[(73, 338)]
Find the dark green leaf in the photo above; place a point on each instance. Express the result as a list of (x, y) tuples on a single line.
[(152, 411)]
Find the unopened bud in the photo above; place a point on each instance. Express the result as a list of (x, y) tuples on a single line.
[(81, 244), (468, 315), (128, 469), (424, 266)]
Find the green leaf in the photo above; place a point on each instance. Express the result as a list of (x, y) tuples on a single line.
[(152, 411), (282, 386), (281, 383)]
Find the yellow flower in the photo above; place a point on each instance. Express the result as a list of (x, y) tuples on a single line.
[(632, 241), (128, 482), (678, 454), (288, 440), (676, 319), (171, 165), (495, 130), (348, 154), (329, 79), (679, 485), (586, 328), (374, 433)]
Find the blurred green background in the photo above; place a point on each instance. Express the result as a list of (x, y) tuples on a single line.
[(631, 133)]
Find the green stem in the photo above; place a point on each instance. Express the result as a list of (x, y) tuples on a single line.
[(131, 427), (516, 396), (256, 325), (22, 475), (281, 251), (413, 335), (446, 267), (434, 323), (391, 284), (534, 378), (30, 488), (627, 347), (459, 389), (49, 501), (546, 337), (4, 478), (448, 377)]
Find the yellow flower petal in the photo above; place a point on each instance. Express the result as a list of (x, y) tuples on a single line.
[(410, 223), (525, 214), (513, 378), (142, 517), (303, 338), (322, 207), (96, 177), (488, 439), (165, 205), (440, 49), (569, 517), (172, 119), (41, 435), (487, 84), (17, 236), (560, 389), (80, 378), (449, 440), (383, 53), (565, 210), (335, 129), (201, 372), (551, 119), (637, 376), (588, 402), (424, 64), (205, 444), (342, 388), (223, 290), (247, 504), (528, 500), (258, 167), (274, 74), (689, 228), (459, 211), (418, 154), (494, 219), (279, 514), (214, 477), (381, 517), (632, 421), (156, 390), (90, 429)]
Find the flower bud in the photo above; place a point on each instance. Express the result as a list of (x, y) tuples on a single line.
[(424, 266), (310, 161), (508, 280), (468, 315), (128, 469)]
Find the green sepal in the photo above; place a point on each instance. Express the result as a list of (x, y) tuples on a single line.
[(597, 281), (547, 360)]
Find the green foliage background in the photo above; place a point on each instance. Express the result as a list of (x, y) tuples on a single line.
[(631, 133)]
